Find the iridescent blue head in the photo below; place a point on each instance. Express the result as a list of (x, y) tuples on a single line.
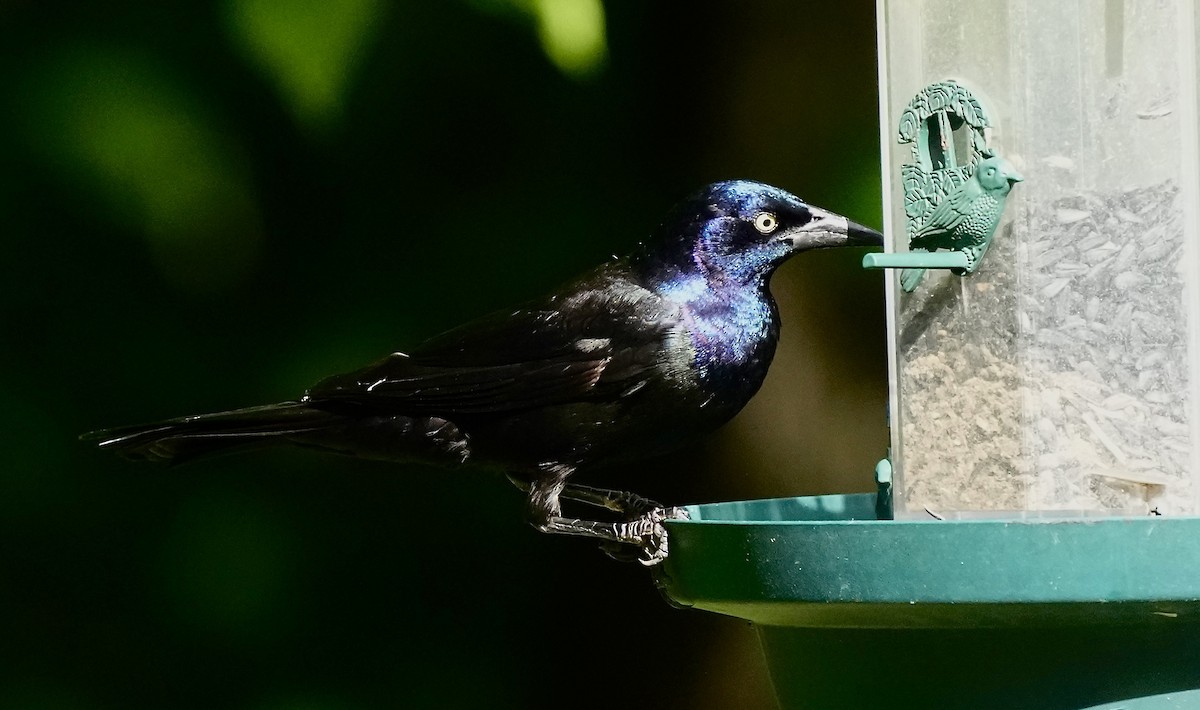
[(740, 231)]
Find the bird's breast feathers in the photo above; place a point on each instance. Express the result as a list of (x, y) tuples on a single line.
[(728, 330)]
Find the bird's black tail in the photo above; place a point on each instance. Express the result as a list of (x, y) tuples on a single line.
[(187, 438)]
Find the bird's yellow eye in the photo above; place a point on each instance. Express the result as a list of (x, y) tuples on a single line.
[(765, 222)]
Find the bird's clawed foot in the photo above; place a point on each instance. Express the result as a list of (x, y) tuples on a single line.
[(644, 538), (640, 535)]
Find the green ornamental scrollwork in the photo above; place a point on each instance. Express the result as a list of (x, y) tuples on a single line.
[(945, 96)]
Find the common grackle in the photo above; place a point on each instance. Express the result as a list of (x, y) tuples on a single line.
[(639, 357)]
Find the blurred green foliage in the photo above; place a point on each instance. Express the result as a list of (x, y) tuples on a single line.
[(571, 32), (126, 131), (213, 205), (308, 48)]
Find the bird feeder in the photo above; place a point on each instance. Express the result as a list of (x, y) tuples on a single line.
[(1044, 359), (1062, 373)]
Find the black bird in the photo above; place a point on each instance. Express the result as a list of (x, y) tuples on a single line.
[(639, 357)]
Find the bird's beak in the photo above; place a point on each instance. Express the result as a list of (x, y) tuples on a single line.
[(827, 229), (1015, 177)]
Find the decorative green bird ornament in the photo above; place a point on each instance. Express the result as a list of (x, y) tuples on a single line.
[(966, 218)]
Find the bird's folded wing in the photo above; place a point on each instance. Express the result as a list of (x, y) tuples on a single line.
[(949, 213), (397, 385), (506, 362)]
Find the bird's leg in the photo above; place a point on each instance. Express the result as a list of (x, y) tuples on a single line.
[(626, 503), (623, 502), (645, 531), (616, 501)]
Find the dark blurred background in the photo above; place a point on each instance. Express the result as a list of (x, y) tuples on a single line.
[(210, 205)]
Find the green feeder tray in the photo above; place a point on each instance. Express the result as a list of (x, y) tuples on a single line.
[(856, 612)]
